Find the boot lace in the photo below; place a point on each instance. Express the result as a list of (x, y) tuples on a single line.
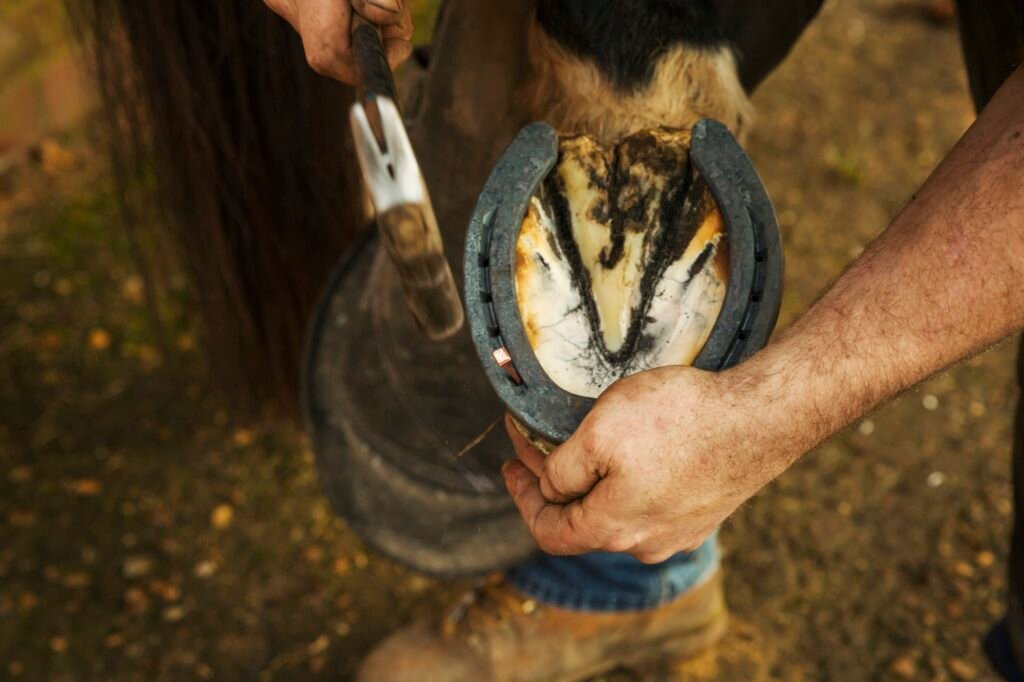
[(486, 607)]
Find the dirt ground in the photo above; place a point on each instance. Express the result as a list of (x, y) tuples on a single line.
[(144, 537)]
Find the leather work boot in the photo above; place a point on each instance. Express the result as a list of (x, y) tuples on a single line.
[(496, 634)]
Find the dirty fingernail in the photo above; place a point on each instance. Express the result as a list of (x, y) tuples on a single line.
[(386, 5)]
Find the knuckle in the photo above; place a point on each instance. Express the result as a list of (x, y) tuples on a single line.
[(551, 479), (321, 61), (594, 436), (401, 48), (575, 518), (619, 545), (550, 546), (549, 488), (407, 26), (276, 6), (609, 536), (641, 535), (627, 541), (364, 8)]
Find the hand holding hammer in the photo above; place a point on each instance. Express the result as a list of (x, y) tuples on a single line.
[(398, 191), (357, 42), (326, 30)]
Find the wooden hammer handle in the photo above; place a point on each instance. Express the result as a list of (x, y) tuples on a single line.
[(413, 241), (371, 60)]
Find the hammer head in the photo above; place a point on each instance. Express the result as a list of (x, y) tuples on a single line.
[(406, 219)]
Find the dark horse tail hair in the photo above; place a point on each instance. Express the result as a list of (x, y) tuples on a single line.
[(250, 162)]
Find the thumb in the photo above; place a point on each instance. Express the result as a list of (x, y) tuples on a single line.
[(570, 472)]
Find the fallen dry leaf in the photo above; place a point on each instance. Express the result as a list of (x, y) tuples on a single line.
[(961, 669), (221, 516), (85, 487), (172, 614), (133, 289), (137, 566), (242, 437), (54, 158), (137, 600), (49, 341), (204, 569), (149, 357), (963, 569), (99, 339), (20, 518), (19, 474), (904, 668), (165, 590), (417, 583), (319, 645), (76, 580), (27, 601)]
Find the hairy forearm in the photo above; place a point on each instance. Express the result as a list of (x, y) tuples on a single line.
[(943, 282)]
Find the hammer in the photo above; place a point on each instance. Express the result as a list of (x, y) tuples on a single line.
[(399, 193)]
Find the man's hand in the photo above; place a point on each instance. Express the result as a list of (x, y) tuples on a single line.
[(661, 460), (326, 30), (665, 456)]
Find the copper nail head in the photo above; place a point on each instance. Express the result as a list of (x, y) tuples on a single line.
[(504, 361)]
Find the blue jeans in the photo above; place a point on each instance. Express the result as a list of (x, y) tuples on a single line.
[(613, 582)]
